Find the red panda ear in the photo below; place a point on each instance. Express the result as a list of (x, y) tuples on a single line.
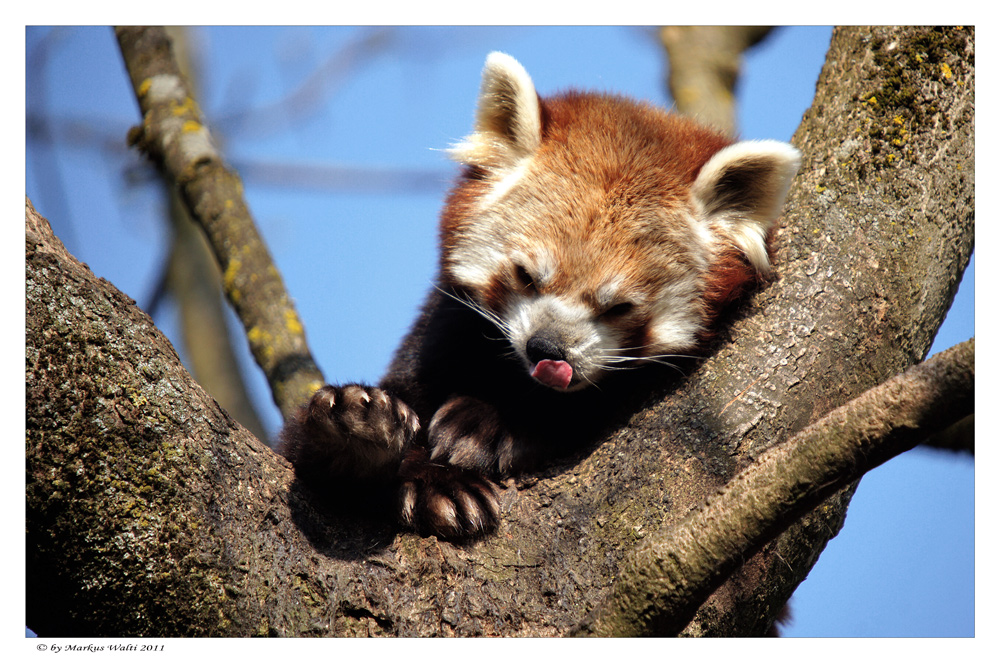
[(508, 119), (740, 190)]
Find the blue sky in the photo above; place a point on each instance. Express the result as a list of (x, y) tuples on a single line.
[(357, 251)]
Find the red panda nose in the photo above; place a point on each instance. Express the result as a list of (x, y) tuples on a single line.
[(539, 348)]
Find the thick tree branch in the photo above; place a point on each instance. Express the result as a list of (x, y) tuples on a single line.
[(173, 134), (667, 578), (145, 500)]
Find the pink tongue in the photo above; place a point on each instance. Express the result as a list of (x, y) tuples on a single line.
[(555, 374)]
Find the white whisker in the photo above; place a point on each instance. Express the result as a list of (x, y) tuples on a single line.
[(503, 326), (619, 362)]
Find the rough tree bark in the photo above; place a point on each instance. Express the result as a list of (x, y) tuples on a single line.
[(151, 512)]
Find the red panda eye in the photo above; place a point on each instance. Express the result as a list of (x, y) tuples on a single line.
[(618, 310), (524, 278)]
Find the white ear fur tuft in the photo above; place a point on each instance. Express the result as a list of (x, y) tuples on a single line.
[(739, 193), (508, 119)]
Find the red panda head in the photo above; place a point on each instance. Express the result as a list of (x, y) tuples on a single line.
[(597, 232)]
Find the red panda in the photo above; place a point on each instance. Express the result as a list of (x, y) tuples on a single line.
[(588, 233)]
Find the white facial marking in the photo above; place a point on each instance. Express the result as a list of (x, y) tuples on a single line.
[(587, 343), (504, 184), (473, 264), (675, 321), (608, 294)]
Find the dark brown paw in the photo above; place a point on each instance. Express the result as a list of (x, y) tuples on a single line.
[(352, 431), (467, 433), (447, 501), (364, 413)]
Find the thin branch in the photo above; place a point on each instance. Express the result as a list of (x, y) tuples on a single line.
[(665, 580), (173, 134)]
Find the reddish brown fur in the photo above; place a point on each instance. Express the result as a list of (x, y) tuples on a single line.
[(613, 135), (725, 282), (636, 158)]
